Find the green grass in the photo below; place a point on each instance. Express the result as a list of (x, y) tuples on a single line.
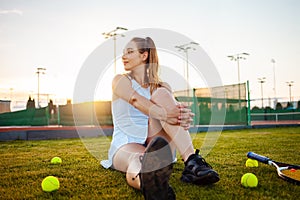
[(24, 164)]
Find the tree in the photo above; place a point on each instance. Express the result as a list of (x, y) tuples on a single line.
[(278, 106)]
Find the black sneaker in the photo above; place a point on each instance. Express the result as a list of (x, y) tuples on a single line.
[(198, 171), (156, 171), (171, 194)]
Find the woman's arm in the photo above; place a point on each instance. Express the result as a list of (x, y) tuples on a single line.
[(186, 115), (122, 88)]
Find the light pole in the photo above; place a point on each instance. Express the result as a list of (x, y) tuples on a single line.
[(290, 84), (113, 34), (274, 82), (237, 57), (261, 81), (185, 48), (39, 71)]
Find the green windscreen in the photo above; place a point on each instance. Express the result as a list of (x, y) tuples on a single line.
[(217, 105)]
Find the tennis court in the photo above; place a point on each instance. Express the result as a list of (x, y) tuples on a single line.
[(24, 164)]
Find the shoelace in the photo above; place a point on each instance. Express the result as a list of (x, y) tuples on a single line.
[(202, 161)]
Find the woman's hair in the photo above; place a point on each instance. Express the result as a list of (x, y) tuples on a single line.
[(151, 77)]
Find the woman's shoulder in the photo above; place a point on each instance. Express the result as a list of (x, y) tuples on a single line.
[(121, 85), (165, 85), (121, 78)]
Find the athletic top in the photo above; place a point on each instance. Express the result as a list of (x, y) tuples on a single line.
[(130, 124)]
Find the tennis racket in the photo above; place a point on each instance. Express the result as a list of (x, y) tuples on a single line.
[(285, 171)]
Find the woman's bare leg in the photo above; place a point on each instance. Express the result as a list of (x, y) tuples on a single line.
[(127, 159), (196, 170), (177, 136)]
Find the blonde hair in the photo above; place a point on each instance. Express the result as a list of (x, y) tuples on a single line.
[(151, 77)]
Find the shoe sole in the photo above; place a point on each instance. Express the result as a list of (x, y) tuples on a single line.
[(210, 178), (156, 169)]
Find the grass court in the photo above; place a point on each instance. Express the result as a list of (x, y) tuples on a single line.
[(24, 164)]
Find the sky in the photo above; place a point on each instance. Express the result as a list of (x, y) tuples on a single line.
[(59, 35)]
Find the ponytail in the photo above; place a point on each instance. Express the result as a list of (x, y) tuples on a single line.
[(151, 77)]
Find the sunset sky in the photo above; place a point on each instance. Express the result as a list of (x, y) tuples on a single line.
[(59, 35)]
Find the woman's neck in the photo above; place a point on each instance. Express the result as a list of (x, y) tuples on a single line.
[(138, 74)]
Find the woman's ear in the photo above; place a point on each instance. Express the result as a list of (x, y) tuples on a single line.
[(145, 56)]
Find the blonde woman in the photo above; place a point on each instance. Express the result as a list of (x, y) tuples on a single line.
[(149, 125)]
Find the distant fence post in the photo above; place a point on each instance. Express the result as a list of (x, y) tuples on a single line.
[(195, 106), (58, 114), (249, 108), (47, 115)]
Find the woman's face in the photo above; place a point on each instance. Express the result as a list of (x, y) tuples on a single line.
[(132, 57)]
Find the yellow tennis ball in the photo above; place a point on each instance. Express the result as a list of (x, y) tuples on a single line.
[(56, 160), (251, 163), (50, 183), (249, 180)]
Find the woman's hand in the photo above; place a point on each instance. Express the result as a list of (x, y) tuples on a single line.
[(180, 115), (186, 116)]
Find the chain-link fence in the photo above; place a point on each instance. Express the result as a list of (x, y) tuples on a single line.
[(212, 106)]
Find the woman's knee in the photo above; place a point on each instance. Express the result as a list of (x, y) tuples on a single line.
[(127, 155), (163, 97)]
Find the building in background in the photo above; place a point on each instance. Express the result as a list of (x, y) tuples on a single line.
[(4, 106)]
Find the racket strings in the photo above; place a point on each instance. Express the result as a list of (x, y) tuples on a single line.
[(292, 173)]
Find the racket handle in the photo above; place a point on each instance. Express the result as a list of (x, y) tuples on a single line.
[(259, 158)]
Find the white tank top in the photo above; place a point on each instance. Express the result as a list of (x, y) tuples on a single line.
[(129, 120), (130, 124)]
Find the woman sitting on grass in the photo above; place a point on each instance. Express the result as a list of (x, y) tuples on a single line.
[(149, 125)]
